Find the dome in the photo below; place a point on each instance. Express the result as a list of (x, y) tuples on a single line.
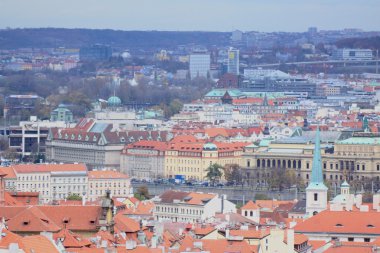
[(210, 146), (114, 101), (345, 184)]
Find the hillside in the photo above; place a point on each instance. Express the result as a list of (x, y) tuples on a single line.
[(74, 38)]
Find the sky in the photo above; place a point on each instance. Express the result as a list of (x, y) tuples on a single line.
[(192, 15)]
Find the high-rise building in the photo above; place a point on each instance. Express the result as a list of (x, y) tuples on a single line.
[(199, 64), (233, 61), (95, 52)]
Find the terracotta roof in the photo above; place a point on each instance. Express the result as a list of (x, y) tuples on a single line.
[(79, 218), (367, 223), (7, 237), (204, 230), (147, 144), (71, 240), (300, 238), (10, 173), (37, 244), (125, 224), (316, 244), (31, 219), (30, 168), (190, 198), (250, 234), (106, 174), (250, 206)]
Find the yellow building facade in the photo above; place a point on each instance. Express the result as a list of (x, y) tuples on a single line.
[(192, 159)]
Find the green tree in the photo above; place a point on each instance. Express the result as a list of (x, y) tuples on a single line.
[(142, 193), (74, 196), (233, 173), (261, 196), (214, 173)]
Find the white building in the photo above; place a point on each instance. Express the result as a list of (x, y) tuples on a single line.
[(52, 181), (351, 54), (199, 65), (191, 207)]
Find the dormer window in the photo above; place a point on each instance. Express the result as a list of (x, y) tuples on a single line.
[(73, 136), (66, 136), (338, 225), (60, 135), (79, 137), (370, 226), (87, 138), (122, 139), (94, 138)]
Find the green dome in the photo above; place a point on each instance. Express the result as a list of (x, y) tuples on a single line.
[(114, 101), (210, 146)]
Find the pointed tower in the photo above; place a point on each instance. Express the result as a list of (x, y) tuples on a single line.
[(316, 192), (265, 100)]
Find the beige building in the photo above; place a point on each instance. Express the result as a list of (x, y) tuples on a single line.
[(191, 157), (355, 158), (99, 182), (144, 159)]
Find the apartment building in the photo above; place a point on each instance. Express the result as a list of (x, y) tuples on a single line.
[(178, 206), (99, 182), (52, 181)]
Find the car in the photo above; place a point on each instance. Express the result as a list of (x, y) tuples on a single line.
[(219, 185), (205, 184)]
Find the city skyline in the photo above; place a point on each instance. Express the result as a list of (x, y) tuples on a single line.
[(165, 15)]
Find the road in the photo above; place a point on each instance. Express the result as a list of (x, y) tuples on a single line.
[(235, 194)]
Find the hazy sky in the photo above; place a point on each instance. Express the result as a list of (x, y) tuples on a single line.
[(210, 15)]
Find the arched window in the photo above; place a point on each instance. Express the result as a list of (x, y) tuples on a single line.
[(294, 164), (289, 164), (315, 213), (299, 164), (263, 163)]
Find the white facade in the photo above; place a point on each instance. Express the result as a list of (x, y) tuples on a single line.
[(351, 54), (180, 211), (199, 65)]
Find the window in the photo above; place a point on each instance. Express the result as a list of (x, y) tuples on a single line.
[(307, 166), (367, 239), (350, 239), (315, 196)]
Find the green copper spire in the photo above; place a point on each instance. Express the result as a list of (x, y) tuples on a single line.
[(316, 172)]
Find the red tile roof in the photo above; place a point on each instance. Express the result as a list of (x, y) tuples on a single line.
[(30, 168), (367, 223), (108, 174), (37, 244), (250, 206)]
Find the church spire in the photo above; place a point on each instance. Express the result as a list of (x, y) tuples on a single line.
[(316, 192), (316, 173)]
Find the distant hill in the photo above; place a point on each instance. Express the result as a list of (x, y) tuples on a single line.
[(74, 38), (370, 43)]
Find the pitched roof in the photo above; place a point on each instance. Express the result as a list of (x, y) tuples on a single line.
[(190, 198), (78, 218), (32, 219), (250, 234), (30, 168), (106, 174), (250, 205), (37, 244), (367, 223), (71, 240)]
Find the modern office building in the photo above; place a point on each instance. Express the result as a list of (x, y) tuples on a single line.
[(199, 64), (352, 54), (95, 52), (233, 61)]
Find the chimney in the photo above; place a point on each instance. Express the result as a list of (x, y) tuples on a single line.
[(14, 248), (290, 235), (103, 244), (129, 245), (154, 241), (84, 200), (227, 233)]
